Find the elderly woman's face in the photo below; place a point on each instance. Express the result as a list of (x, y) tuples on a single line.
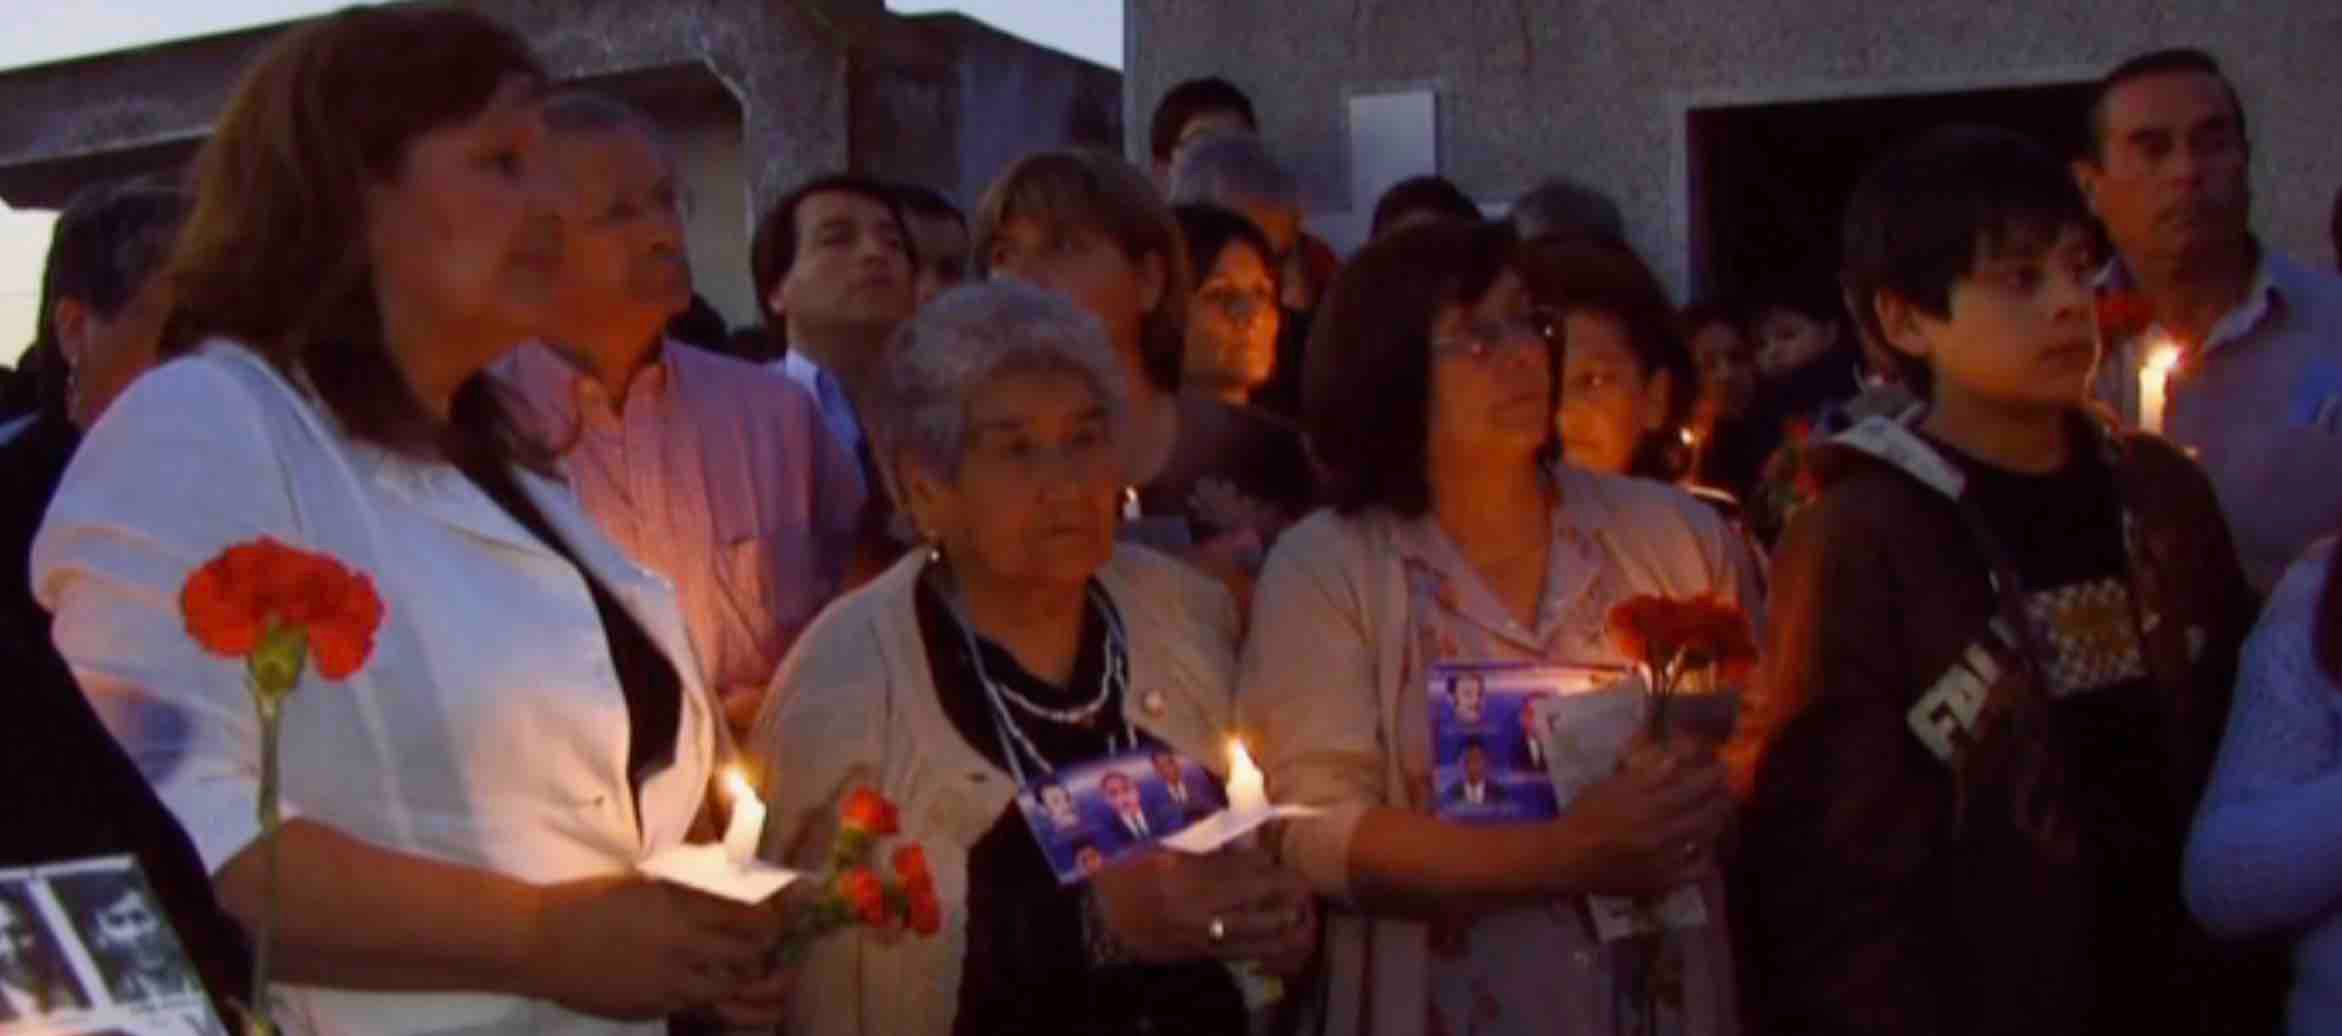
[(1035, 496), (1491, 376), (465, 239)]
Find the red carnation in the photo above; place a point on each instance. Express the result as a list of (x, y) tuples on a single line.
[(865, 895), (868, 812)]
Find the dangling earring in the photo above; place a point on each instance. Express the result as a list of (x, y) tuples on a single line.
[(934, 548)]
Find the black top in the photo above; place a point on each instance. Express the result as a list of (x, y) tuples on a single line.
[(1027, 968), (647, 677), (1228, 453), (2062, 533), (68, 790)]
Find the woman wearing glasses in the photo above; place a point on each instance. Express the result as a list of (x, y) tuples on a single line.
[(1453, 537)]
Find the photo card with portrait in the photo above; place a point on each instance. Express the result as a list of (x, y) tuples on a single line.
[(1488, 763), (1087, 817), (1586, 735), (85, 948)]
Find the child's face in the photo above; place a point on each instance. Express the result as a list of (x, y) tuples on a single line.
[(2019, 326), (1788, 340)]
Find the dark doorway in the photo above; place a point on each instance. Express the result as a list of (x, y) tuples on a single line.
[(1769, 182)]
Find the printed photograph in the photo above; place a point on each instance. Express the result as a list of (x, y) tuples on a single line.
[(36, 977), (126, 934), (1087, 817), (1489, 762)]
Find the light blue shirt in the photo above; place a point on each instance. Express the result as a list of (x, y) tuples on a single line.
[(2266, 853), (2260, 408), (837, 409)]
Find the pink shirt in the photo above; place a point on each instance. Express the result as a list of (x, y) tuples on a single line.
[(717, 474)]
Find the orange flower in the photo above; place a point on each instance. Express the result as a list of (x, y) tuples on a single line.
[(231, 603), (865, 895), (868, 812), (910, 864), (926, 913)]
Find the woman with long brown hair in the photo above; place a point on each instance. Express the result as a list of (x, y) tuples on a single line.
[(466, 812)]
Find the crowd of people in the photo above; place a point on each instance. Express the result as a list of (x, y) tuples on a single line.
[(2045, 732)]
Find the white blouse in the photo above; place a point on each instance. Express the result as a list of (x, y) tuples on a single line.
[(488, 729)]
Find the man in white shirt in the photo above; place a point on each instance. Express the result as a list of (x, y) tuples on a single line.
[(716, 473), (2257, 393)]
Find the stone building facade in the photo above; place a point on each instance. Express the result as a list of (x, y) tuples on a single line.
[(758, 95), (1679, 109)]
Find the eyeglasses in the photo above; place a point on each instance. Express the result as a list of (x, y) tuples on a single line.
[(1484, 339)]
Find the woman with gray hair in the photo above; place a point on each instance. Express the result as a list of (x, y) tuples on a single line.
[(993, 684)]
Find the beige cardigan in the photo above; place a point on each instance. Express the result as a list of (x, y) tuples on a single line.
[(1323, 683), (854, 704)]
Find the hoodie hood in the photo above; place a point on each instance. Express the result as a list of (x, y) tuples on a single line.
[(1895, 443)]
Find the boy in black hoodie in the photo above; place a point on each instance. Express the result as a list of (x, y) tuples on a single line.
[(2001, 649)]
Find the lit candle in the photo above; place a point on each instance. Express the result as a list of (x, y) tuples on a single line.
[(2154, 378), (1247, 790), (747, 826)]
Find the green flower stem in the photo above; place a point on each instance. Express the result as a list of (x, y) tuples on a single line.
[(271, 707), (272, 672)]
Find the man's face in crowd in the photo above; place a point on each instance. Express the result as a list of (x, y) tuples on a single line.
[(2170, 177), (852, 267), (623, 252)]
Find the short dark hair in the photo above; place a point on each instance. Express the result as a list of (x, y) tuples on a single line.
[(1586, 277), (1184, 102), (2158, 63), (1920, 216), (1210, 229), (105, 245), (1473, 744), (774, 250), (1435, 193), (1366, 394), (927, 201)]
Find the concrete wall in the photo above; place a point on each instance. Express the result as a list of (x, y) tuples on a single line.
[(129, 111), (949, 102), (1599, 90), (756, 96)]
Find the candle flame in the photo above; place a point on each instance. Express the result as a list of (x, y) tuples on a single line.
[(736, 784), (2161, 360), (1239, 760)]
